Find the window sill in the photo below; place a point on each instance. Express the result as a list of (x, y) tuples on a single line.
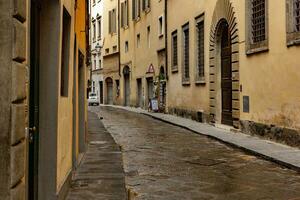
[(147, 10), (137, 19), (174, 69), (261, 49), (293, 39), (186, 83), (200, 81), (125, 27), (293, 42)]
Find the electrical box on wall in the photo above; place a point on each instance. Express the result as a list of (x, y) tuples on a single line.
[(246, 104)]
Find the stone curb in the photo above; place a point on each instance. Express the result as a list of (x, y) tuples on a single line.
[(290, 160)]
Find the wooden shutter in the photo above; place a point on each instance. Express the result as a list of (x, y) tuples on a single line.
[(133, 9), (122, 14), (109, 22)]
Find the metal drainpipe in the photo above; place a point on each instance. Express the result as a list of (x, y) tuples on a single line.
[(119, 38), (166, 38)]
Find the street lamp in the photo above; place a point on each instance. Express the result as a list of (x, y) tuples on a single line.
[(98, 48)]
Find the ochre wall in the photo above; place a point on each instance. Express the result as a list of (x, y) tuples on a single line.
[(65, 112), (140, 58), (270, 79)]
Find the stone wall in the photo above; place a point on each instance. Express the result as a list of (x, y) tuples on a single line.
[(13, 103), (283, 135), (190, 114)]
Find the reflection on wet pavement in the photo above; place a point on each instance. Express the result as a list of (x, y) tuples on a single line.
[(166, 162)]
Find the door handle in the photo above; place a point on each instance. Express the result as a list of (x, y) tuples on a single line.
[(31, 133), (33, 129)]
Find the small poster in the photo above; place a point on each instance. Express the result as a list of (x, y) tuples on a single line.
[(154, 105)]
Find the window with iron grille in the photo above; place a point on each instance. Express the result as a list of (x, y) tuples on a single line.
[(297, 15), (293, 22), (174, 51), (186, 53), (200, 48), (258, 20)]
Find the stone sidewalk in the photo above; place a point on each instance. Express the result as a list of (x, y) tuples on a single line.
[(275, 152), (100, 175)]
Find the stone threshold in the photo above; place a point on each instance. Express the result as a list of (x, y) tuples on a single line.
[(275, 152)]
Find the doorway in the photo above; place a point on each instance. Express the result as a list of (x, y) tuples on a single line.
[(226, 75), (139, 93), (109, 91), (33, 147), (101, 91), (150, 93), (126, 73), (81, 102)]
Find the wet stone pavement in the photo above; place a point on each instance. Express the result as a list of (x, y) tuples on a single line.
[(165, 162), (100, 175)]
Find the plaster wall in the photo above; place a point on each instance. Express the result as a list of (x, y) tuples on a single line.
[(140, 56), (270, 79), (65, 109)]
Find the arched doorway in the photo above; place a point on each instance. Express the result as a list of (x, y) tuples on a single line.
[(126, 73), (224, 66), (109, 91), (226, 74)]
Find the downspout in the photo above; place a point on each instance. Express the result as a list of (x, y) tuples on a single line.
[(166, 38), (119, 38)]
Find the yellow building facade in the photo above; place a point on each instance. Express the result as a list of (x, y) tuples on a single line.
[(229, 63), (142, 47), (240, 68), (110, 52)]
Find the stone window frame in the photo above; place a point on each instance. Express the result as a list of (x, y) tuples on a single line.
[(161, 27), (185, 79), (174, 67), (199, 79), (263, 46), (292, 36)]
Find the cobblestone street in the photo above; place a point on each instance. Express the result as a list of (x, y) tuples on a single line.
[(162, 161)]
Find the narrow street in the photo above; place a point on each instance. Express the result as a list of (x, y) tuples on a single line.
[(100, 174), (162, 161)]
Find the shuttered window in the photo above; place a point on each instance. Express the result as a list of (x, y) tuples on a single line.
[(99, 28), (200, 48), (109, 22), (146, 4), (174, 51), (135, 9), (258, 20), (297, 15), (186, 53), (124, 14), (112, 18)]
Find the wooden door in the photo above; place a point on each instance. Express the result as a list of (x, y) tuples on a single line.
[(34, 102), (226, 77), (139, 93), (101, 91), (109, 92), (127, 90)]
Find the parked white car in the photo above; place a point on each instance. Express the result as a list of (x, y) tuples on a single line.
[(93, 99)]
